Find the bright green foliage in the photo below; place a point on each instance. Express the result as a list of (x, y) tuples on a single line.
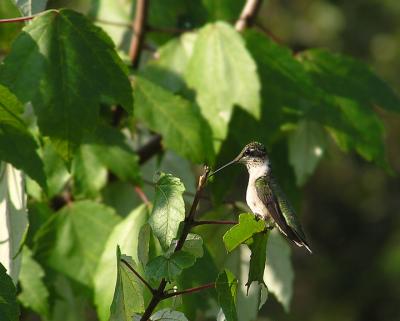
[(223, 74), (30, 7), (279, 275), (75, 237), (306, 148), (177, 119), (258, 247), (226, 286), (34, 293), (248, 225), (168, 210), (125, 235), (17, 146), (169, 267), (73, 67), (128, 297), (9, 309)]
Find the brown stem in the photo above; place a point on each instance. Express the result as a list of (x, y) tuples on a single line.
[(18, 19), (159, 294), (248, 14), (151, 148), (138, 27), (269, 33), (191, 290), (196, 223), (142, 195), (139, 276)]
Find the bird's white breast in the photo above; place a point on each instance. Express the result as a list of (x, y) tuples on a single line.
[(252, 199)]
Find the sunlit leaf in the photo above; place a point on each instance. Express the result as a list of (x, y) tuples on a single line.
[(248, 225)]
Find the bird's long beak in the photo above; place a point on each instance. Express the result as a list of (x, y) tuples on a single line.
[(226, 165)]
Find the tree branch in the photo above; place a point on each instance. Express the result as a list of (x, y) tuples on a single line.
[(191, 290), (151, 148), (248, 14), (142, 195), (138, 27), (196, 223), (139, 276), (159, 294)]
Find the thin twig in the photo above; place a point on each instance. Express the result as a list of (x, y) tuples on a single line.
[(138, 27), (138, 275), (18, 19), (205, 222), (248, 15), (142, 195), (269, 33), (191, 290)]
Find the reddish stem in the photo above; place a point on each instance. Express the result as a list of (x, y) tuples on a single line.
[(142, 195), (191, 290), (18, 19), (139, 276)]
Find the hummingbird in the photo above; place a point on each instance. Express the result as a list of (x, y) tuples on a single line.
[(264, 196)]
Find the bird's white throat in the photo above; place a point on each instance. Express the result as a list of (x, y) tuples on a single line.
[(257, 169)]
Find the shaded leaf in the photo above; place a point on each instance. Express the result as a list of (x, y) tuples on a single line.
[(169, 267), (17, 145), (168, 315), (143, 246), (168, 209), (181, 125), (279, 273), (226, 286), (223, 74), (248, 225), (128, 297), (125, 235), (194, 245), (72, 67), (223, 9), (306, 147), (34, 294), (72, 241), (258, 247), (31, 7), (9, 309)]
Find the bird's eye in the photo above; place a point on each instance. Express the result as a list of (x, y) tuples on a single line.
[(247, 152)]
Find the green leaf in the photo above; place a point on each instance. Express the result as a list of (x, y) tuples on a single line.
[(223, 74), (73, 239), (89, 173), (181, 125), (17, 145), (13, 219), (169, 267), (65, 66), (279, 273), (168, 209), (226, 286), (306, 148), (248, 225), (34, 294), (168, 315), (223, 9), (143, 246), (9, 309), (128, 296), (168, 69), (113, 151), (125, 235), (194, 245), (56, 172), (349, 78), (31, 7), (258, 248)]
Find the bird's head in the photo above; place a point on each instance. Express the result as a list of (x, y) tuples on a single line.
[(252, 155)]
